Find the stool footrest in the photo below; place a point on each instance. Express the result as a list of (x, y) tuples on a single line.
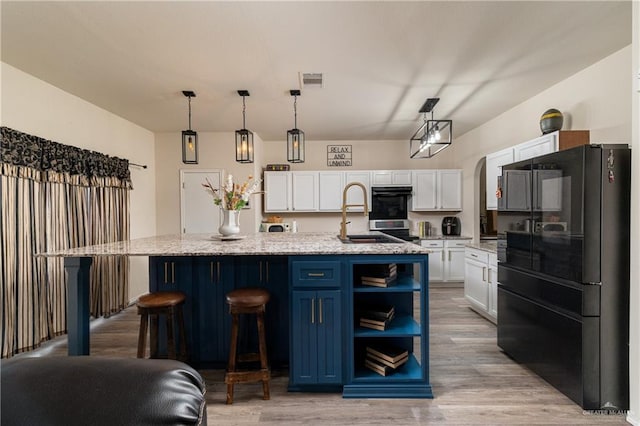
[(247, 376), (249, 357)]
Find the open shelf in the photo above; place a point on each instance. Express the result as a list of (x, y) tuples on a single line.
[(409, 371), (404, 283), (400, 326), (408, 295)]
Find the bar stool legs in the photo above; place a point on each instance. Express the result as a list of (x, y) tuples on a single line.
[(153, 305), (247, 301)]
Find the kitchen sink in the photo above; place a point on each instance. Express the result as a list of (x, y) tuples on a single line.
[(370, 239)]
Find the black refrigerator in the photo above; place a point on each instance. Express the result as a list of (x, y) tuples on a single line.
[(563, 271)]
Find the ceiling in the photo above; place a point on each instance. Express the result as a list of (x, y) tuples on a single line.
[(380, 60)]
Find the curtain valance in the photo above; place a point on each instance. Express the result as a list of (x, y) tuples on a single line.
[(69, 163)]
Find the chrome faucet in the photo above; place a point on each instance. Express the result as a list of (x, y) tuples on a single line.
[(343, 224)]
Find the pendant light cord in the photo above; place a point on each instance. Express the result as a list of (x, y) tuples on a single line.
[(295, 112), (189, 113), (244, 108)]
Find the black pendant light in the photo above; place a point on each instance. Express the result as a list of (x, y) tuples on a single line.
[(244, 137), (189, 137), (433, 136), (295, 136)]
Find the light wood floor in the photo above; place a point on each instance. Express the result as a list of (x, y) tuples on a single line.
[(474, 383)]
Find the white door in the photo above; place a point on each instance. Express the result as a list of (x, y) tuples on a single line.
[(401, 177), (436, 259), (331, 185), (493, 167), (304, 191), (539, 146), (492, 279), (381, 177), (475, 284), (355, 195), (277, 188), (450, 189), (424, 190), (198, 213), (454, 264)]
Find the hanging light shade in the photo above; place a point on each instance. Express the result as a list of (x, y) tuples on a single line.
[(295, 136), (244, 137), (433, 136), (189, 137)]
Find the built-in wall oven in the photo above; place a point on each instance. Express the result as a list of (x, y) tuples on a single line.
[(389, 211)]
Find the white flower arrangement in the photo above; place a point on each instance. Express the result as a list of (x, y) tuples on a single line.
[(234, 196)]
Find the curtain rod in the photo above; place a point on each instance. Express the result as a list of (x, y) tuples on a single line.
[(144, 166)]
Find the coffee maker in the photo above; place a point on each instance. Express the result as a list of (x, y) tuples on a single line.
[(450, 225)]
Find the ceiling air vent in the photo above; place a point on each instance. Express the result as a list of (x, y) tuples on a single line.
[(310, 80)]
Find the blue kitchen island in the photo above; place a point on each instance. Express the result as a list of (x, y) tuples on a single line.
[(313, 317)]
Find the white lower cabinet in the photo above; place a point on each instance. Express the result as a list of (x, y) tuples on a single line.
[(446, 260), (480, 282), (493, 285), (436, 259)]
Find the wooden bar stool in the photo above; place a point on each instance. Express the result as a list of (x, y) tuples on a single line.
[(168, 303), (247, 301)]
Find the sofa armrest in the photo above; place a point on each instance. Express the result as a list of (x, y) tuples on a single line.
[(100, 391)]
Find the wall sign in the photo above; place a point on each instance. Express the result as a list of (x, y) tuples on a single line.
[(339, 155)]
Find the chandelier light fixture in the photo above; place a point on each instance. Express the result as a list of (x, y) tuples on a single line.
[(295, 136), (244, 137), (433, 136), (189, 137)]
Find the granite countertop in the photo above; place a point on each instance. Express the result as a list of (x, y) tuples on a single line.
[(490, 246), (263, 243), (445, 237)]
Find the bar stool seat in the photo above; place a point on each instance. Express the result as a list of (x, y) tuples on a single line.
[(168, 303), (250, 300)]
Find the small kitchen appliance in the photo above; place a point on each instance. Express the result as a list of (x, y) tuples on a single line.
[(276, 227), (450, 225)]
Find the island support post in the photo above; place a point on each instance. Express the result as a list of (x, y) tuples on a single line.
[(78, 290)]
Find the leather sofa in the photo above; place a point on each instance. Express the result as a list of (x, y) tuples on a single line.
[(100, 391)]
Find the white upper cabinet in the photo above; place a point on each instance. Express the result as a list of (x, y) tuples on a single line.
[(545, 144), (493, 169), (437, 190), (450, 189), (305, 191), (330, 193), (390, 177), (354, 195), (425, 197), (277, 187)]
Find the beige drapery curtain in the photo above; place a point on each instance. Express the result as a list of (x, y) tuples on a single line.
[(55, 197)]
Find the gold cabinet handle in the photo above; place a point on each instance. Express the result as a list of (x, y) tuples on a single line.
[(489, 276), (313, 310), (484, 270), (173, 272), (166, 265), (316, 274), (320, 309), (218, 267), (211, 272)]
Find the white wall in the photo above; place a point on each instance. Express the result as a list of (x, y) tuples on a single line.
[(595, 99), (215, 151), (35, 107)]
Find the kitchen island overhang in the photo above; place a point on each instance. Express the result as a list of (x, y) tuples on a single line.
[(287, 264)]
